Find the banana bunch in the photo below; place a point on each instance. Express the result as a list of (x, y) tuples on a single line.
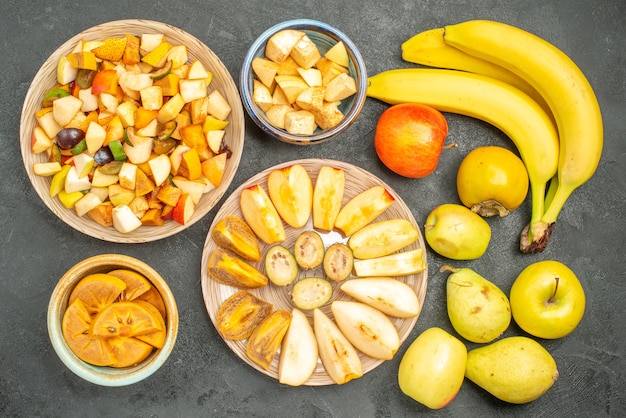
[(521, 84)]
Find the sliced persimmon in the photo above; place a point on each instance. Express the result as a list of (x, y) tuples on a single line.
[(97, 291), (153, 297), (136, 284), (126, 319), (128, 351), (76, 324)]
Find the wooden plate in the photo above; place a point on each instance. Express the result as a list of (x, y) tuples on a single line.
[(46, 78), (357, 180)]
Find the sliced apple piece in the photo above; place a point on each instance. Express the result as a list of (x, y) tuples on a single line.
[(215, 138), (390, 296), (128, 175), (213, 168), (277, 114), (119, 195), (161, 167), (65, 108), (86, 203), (338, 355), (368, 329), (291, 191), (191, 90), (265, 70), (45, 119), (261, 95), (84, 164), (311, 99), (328, 197), (382, 238), (89, 101), (338, 54), (279, 46), (218, 106), (124, 220), (171, 109), (46, 169), (298, 352), (94, 137), (176, 157), (198, 71), (305, 52), (312, 76), (74, 183), (40, 141), (363, 209), (66, 72), (300, 122), (149, 41), (397, 264), (135, 81), (193, 188), (184, 209), (261, 215), (101, 179), (139, 152), (340, 87), (292, 86)]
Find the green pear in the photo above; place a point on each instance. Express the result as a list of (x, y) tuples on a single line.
[(478, 310), (514, 369)]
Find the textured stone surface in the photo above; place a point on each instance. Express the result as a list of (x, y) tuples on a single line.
[(203, 377)]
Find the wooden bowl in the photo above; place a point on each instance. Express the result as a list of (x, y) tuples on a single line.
[(357, 180), (109, 376), (46, 78)]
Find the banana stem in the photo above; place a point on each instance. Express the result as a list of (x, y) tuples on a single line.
[(535, 235), (561, 195)]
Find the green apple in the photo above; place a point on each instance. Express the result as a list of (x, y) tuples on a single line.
[(456, 232), (547, 300)]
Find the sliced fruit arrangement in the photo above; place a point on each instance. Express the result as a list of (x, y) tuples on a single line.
[(252, 251), (133, 131), (523, 85), (299, 89), (114, 319)]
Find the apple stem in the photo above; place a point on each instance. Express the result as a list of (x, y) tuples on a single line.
[(556, 287)]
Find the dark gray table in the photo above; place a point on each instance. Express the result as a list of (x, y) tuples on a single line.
[(203, 377)]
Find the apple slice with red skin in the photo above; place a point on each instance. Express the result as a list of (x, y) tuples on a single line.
[(291, 191), (261, 215), (327, 197), (363, 209)]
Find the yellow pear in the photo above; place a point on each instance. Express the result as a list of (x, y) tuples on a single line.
[(478, 309), (515, 369)]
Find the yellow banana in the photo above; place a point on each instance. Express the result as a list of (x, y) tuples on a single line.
[(428, 48), (487, 99), (566, 90)]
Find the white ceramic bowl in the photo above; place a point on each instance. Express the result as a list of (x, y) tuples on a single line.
[(324, 36), (109, 376)]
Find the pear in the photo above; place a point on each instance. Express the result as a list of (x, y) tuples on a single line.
[(478, 310), (515, 369)]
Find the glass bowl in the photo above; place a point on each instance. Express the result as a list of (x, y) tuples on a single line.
[(324, 36)]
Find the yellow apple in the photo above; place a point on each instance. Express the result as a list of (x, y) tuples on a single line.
[(433, 368), (547, 300)]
